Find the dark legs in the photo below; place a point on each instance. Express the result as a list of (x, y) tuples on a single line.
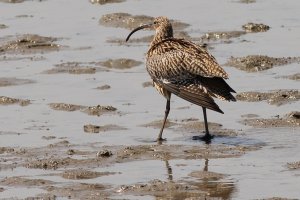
[(207, 137), (159, 138)]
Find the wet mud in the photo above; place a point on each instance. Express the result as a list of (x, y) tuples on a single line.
[(293, 165), (92, 67), (66, 107), (168, 190), (19, 181), (9, 101), (121, 63), (90, 128), (109, 155), (90, 110), (103, 87), (148, 39), (78, 174), (147, 84), (4, 82), (254, 63), (277, 97), (74, 68), (28, 44), (247, 1), (289, 120), (103, 2), (295, 77), (48, 156), (254, 28), (227, 36), (12, 1), (195, 126), (77, 191), (82, 168), (3, 26), (128, 21), (99, 110), (181, 190), (224, 35)]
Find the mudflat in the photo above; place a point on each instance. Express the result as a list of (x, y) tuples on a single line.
[(79, 116)]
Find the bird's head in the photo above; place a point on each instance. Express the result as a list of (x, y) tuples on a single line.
[(162, 26)]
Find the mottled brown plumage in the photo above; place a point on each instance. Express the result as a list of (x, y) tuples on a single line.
[(185, 69)]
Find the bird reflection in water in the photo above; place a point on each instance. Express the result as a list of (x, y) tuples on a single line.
[(206, 184)]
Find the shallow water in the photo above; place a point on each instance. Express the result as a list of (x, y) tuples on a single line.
[(256, 174)]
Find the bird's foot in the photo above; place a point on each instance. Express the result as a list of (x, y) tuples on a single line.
[(206, 138), (161, 140)]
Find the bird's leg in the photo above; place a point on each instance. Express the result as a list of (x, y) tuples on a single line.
[(159, 138), (207, 137)]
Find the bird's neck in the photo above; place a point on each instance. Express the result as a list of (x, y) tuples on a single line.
[(161, 34)]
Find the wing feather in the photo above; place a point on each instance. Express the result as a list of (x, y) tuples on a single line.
[(193, 94), (184, 55)]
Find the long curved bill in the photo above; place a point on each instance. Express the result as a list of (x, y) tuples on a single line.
[(137, 29)]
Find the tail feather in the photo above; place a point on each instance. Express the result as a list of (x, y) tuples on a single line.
[(218, 87), (193, 94)]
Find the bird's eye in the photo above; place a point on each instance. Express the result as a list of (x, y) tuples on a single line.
[(155, 22)]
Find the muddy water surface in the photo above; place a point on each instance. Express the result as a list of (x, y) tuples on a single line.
[(79, 116)]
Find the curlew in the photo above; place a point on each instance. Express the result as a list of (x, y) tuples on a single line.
[(181, 67)]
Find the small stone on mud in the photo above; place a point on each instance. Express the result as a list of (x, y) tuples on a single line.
[(89, 128), (71, 152), (148, 84), (121, 63), (254, 28), (103, 87), (108, 127), (104, 153), (250, 116), (3, 26), (99, 110), (48, 137), (254, 63), (293, 165)]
